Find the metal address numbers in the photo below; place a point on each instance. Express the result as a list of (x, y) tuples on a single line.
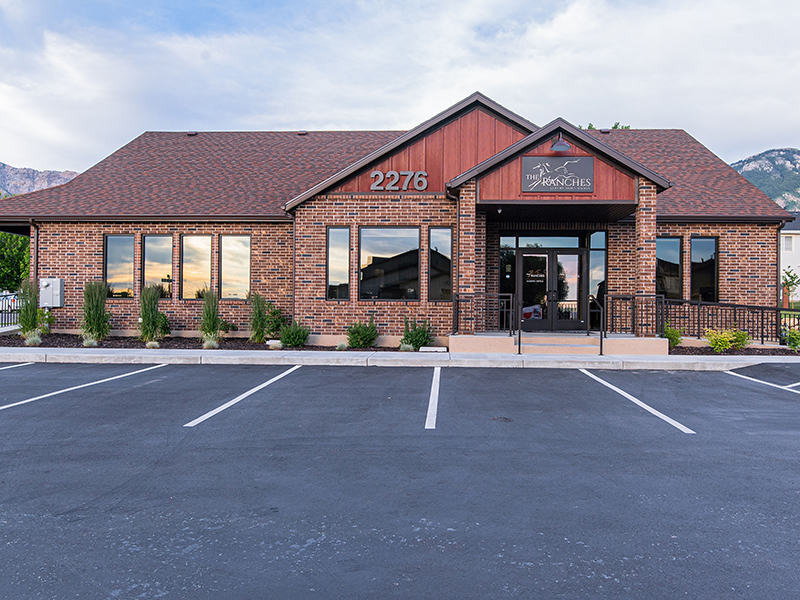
[(392, 178)]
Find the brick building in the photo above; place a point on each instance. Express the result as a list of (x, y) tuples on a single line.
[(472, 205)]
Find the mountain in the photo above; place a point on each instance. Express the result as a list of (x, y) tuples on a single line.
[(20, 181), (776, 173)]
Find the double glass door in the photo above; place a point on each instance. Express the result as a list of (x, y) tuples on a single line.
[(550, 285)]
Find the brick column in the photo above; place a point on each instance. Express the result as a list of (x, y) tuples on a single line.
[(646, 256), (466, 247)]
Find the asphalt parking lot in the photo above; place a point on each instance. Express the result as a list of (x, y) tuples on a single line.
[(128, 481)]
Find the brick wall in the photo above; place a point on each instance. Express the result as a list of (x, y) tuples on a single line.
[(748, 259), (75, 252), (331, 317)]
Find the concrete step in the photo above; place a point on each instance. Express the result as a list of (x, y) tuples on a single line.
[(560, 348)]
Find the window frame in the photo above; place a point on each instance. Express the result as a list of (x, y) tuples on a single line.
[(430, 262), (328, 297), (680, 264), (133, 263), (716, 266), (416, 228), (220, 272), (172, 261), (210, 263)]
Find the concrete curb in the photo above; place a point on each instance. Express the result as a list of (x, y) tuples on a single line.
[(383, 359)]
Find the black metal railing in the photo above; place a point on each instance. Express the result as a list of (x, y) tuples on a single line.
[(647, 315), (9, 310), (482, 312)]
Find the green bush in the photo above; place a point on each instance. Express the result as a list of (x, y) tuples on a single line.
[(294, 335), (275, 321), (96, 321), (210, 322), (792, 339), (28, 307), (362, 335), (673, 335), (727, 339), (417, 334), (258, 318), (148, 312)]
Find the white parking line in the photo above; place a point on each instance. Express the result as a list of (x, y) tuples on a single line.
[(219, 409), (77, 387), (787, 388), (433, 402), (638, 402), (15, 366)]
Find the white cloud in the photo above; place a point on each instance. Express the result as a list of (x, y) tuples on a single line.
[(725, 71)]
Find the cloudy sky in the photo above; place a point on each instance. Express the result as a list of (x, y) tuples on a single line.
[(80, 79)]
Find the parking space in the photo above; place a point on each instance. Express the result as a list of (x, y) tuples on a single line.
[(333, 482)]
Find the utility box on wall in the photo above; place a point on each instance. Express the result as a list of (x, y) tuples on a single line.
[(51, 293)]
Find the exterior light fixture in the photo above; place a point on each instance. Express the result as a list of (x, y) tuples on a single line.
[(560, 144)]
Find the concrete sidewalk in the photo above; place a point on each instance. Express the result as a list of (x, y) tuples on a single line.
[(382, 359)]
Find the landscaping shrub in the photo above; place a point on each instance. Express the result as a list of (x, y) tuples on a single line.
[(150, 328), (96, 321), (210, 322), (275, 321), (727, 339), (28, 307), (294, 335), (791, 338), (417, 334), (362, 335), (673, 335), (258, 318)]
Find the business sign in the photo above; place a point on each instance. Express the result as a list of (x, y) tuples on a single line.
[(548, 174)]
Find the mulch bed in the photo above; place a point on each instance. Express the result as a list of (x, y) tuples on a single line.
[(707, 351), (64, 340)]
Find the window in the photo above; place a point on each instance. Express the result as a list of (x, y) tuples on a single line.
[(234, 268), (440, 264), (668, 267), (157, 253), (389, 264), (704, 269), (338, 263), (119, 266), (195, 265), (787, 243)]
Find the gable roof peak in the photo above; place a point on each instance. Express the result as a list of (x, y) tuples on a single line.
[(474, 99)]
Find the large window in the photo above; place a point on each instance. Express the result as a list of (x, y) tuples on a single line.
[(234, 268), (338, 263), (668, 267), (157, 253), (704, 269), (119, 266), (195, 266), (389, 263), (440, 264)]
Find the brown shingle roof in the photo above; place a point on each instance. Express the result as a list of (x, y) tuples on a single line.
[(703, 186), (219, 174)]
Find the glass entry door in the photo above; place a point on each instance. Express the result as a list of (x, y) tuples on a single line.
[(550, 284)]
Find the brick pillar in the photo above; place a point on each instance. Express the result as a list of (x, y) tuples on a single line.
[(466, 248), (646, 256)]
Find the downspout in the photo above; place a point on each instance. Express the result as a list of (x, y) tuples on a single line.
[(35, 266), (449, 195)]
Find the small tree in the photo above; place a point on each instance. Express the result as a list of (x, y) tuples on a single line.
[(791, 281)]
